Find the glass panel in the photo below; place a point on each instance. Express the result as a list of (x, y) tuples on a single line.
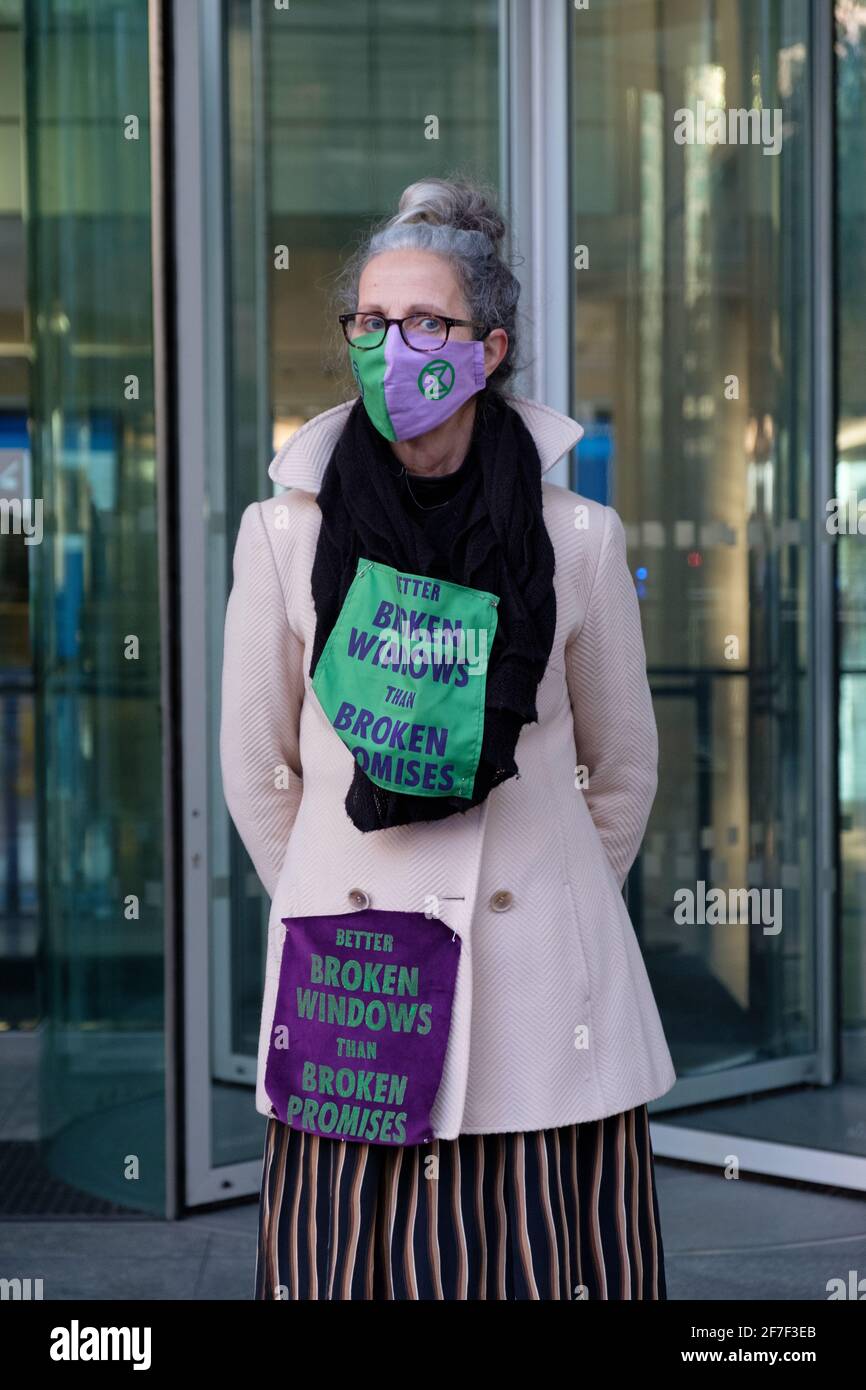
[(851, 492), (691, 374), (96, 621), (20, 1029), (329, 109)]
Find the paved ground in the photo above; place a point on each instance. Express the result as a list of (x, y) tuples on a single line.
[(745, 1240)]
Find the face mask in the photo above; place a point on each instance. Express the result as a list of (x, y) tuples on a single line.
[(407, 393)]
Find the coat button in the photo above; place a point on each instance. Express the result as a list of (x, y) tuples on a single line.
[(501, 900), (358, 898)]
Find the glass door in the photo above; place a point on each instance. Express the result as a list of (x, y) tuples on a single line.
[(315, 117), (96, 617), (693, 191)]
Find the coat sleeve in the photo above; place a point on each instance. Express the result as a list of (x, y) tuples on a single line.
[(614, 723), (262, 693)]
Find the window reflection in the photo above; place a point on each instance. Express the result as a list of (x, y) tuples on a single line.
[(691, 373)]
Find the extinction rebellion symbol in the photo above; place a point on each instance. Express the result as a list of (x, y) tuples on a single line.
[(436, 379)]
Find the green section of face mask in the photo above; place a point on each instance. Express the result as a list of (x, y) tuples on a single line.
[(368, 369)]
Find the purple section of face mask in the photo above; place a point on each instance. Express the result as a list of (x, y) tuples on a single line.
[(423, 389)]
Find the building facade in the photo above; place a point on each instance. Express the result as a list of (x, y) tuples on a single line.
[(180, 182)]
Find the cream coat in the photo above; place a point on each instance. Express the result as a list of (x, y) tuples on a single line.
[(554, 1019)]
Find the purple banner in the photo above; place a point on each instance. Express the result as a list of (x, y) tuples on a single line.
[(361, 1024)]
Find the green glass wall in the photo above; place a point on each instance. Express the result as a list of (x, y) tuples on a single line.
[(95, 617)]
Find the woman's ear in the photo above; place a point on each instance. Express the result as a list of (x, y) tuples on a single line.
[(495, 348)]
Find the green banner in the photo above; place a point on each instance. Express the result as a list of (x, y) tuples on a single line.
[(402, 679)]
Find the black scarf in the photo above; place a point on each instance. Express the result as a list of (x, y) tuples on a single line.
[(500, 543)]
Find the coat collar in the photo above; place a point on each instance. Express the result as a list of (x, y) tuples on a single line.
[(302, 460)]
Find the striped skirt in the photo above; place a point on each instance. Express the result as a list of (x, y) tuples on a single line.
[(551, 1214)]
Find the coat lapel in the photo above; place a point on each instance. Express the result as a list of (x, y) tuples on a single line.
[(302, 460)]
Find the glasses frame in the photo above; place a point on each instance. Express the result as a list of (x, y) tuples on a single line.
[(449, 324)]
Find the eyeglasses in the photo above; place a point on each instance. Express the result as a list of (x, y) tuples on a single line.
[(422, 332)]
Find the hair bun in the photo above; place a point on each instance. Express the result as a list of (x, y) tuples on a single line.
[(451, 203)]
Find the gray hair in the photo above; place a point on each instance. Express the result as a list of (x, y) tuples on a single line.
[(459, 220)]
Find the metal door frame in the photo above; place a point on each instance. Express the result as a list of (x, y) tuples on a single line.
[(201, 334)]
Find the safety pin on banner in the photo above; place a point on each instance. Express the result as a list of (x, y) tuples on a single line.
[(453, 898)]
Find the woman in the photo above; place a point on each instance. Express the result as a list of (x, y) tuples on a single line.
[(438, 746)]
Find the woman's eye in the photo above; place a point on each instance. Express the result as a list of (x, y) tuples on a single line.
[(370, 322), (430, 325)]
